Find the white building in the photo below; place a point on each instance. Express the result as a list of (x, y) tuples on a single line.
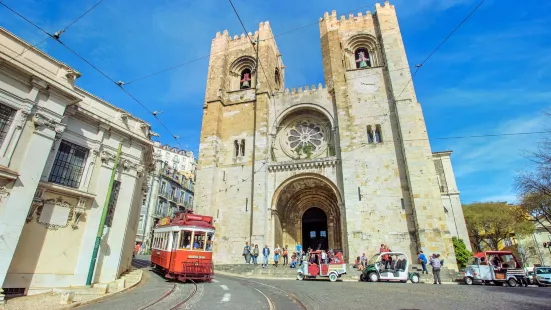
[(57, 151), (170, 188)]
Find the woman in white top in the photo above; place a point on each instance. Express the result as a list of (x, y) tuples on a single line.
[(277, 253)]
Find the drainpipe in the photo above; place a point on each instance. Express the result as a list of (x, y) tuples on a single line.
[(103, 217)]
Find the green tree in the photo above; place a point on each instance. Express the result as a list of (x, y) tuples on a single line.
[(490, 223), (462, 255)]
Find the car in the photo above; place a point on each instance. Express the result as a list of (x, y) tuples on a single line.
[(542, 276)]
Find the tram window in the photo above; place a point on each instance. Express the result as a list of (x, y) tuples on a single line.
[(185, 241), (210, 237), (199, 240)]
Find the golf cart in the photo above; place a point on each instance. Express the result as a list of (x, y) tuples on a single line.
[(389, 266), (314, 267), (495, 267)]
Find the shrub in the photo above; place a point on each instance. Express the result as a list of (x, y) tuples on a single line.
[(462, 255)]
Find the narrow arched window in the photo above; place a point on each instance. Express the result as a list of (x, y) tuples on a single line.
[(369, 134), (277, 79), (243, 147), (246, 78), (361, 56), (378, 134), (236, 145)]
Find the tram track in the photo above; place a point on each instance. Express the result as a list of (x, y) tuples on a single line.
[(169, 293), (270, 301)]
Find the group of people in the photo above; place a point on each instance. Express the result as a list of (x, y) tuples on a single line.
[(435, 262), (292, 258)]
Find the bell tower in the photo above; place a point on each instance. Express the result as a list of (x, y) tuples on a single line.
[(383, 147), (242, 79)]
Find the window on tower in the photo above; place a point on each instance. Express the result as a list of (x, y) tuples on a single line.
[(362, 58), (378, 134), (370, 138), (242, 148), (236, 145), (277, 79), (245, 81)]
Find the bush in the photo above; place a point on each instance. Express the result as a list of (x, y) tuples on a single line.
[(461, 253)]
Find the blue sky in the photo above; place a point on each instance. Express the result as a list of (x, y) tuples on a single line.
[(492, 76)]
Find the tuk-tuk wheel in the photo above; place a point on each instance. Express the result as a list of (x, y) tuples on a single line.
[(512, 282), (468, 280), (362, 277), (373, 277), (333, 277), (414, 278), (300, 276)]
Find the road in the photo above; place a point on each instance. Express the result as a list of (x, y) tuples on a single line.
[(238, 293)]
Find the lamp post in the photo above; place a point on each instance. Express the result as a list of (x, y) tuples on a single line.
[(103, 217)]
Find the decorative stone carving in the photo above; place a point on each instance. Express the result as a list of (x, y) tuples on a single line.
[(107, 156), (153, 134), (303, 164), (40, 120), (54, 213), (78, 212), (72, 75), (23, 117)]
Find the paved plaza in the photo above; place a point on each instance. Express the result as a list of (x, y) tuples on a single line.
[(227, 292)]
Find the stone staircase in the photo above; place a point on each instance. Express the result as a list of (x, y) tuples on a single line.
[(284, 272)]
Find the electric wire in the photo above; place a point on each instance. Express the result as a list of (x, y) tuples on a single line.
[(119, 84), (221, 52)]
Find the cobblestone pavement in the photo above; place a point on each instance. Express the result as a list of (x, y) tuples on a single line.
[(238, 293)]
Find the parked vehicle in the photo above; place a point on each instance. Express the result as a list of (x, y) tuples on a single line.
[(394, 268), (182, 247), (542, 276), (495, 267), (314, 267)]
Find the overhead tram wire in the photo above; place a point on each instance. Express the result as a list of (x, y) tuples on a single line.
[(235, 47), (119, 84), (49, 35), (441, 43)]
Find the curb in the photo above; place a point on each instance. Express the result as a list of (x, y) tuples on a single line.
[(87, 302)]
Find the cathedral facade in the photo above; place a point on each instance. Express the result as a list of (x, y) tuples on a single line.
[(345, 166)]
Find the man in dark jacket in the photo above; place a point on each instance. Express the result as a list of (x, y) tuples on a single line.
[(266, 253)]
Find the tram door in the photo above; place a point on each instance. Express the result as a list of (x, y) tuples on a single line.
[(175, 242)]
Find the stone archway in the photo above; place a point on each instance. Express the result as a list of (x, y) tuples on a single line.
[(306, 203)]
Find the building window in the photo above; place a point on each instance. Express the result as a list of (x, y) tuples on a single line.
[(242, 147), (370, 138), (236, 145), (112, 203), (6, 118), (362, 58), (378, 134), (142, 222), (245, 81), (69, 164), (277, 79)]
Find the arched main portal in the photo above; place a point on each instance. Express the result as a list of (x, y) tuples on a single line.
[(305, 205), (314, 229)]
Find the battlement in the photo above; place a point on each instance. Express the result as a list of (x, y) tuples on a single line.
[(262, 27), (306, 89), (356, 18)]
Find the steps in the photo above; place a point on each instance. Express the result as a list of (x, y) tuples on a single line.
[(284, 272)]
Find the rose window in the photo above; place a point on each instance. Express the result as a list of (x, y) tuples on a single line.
[(304, 137), (304, 134)]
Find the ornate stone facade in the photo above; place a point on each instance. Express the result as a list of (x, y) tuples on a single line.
[(347, 166)]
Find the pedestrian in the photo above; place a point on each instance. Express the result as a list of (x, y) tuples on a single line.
[(266, 254), (323, 257), (298, 248), (423, 261), (255, 254), (247, 253), (436, 265), (285, 256), (277, 252)]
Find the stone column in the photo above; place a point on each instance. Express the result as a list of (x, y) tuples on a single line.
[(331, 232), (38, 141)]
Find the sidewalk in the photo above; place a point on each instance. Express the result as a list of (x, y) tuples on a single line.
[(82, 295)]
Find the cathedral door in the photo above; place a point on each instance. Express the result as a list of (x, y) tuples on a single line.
[(314, 229)]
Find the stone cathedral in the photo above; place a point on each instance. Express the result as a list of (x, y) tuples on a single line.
[(345, 166)]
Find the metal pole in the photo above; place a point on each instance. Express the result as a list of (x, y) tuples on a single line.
[(254, 136), (103, 216)]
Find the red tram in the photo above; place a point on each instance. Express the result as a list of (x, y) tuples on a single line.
[(182, 247)]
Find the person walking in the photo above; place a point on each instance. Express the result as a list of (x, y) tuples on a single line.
[(247, 253), (423, 261), (285, 256), (277, 253), (436, 265), (266, 254), (255, 254)]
